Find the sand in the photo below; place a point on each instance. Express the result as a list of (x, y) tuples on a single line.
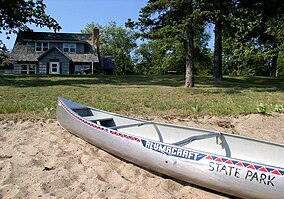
[(38, 159)]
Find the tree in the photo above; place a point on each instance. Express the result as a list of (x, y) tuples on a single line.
[(163, 55), (117, 41), (4, 61), (159, 57), (16, 14), (218, 12), (269, 30), (160, 20), (256, 37)]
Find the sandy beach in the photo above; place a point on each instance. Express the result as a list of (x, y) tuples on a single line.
[(39, 159)]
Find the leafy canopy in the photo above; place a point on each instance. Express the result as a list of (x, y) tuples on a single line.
[(17, 14), (118, 42)]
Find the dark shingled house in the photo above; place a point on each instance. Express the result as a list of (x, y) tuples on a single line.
[(57, 53)]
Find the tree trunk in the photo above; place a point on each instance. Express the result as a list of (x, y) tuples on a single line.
[(189, 70), (273, 68), (217, 68)]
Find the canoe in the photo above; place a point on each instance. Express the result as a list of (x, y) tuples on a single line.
[(232, 164)]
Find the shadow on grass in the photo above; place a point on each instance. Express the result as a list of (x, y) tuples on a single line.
[(44, 80), (233, 85), (230, 85)]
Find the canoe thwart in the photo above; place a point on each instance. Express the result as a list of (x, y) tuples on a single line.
[(106, 121), (96, 119), (197, 137), (130, 125)]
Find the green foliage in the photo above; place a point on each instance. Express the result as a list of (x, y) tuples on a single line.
[(90, 27), (252, 38), (166, 26), (279, 108), (252, 34), (280, 64), (4, 61), (244, 59), (254, 44), (196, 108), (161, 20), (159, 57), (118, 42), (263, 108), (16, 14)]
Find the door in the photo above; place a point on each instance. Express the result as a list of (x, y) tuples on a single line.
[(54, 68)]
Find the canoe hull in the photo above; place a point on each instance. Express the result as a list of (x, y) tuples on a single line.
[(229, 176)]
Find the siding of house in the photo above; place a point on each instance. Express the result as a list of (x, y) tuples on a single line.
[(17, 69), (54, 56), (30, 47)]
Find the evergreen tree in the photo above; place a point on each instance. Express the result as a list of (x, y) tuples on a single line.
[(255, 38), (218, 12), (160, 20)]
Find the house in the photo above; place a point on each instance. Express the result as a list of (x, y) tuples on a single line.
[(57, 53)]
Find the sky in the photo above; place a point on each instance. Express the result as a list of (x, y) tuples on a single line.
[(74, 15)]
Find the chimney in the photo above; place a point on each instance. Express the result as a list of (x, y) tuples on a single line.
[(96, 38)]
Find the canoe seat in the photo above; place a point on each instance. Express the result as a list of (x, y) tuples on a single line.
[(84, 112), (197, 137), (106, 121)]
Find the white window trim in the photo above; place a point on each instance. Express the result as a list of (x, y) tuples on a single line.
[(41, 46), (28, 68), (57, 67), (69, 51)]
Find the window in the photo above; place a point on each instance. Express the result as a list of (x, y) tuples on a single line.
[(28, 69), (82, 69), (69, 47), (41, 46), (44, 46), (54, 67)]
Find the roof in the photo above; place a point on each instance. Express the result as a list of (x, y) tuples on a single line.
[(51, 36), (20, 52), (51, 49)]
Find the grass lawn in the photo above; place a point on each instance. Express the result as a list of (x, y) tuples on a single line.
[(25, 97)]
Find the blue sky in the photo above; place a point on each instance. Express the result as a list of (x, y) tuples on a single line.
[(74, 15)]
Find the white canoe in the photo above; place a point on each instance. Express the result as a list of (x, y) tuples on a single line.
[(231, 164)]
